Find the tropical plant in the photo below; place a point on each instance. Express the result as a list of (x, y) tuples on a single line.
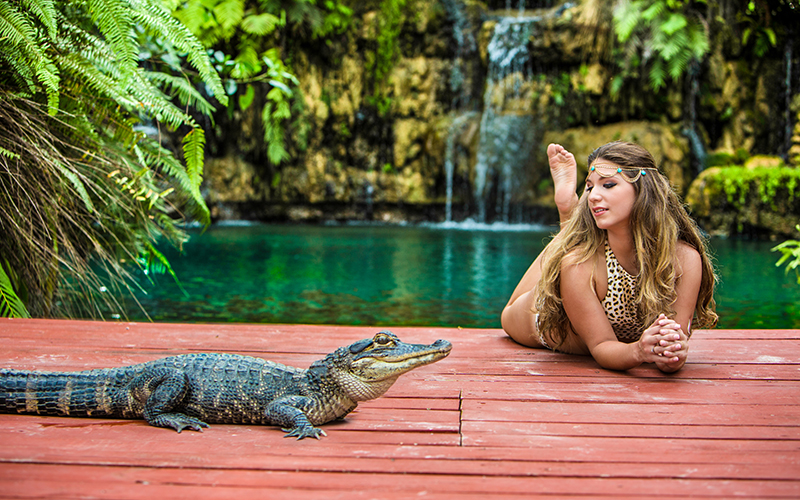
[(791, 255), (243, 37), (84, 192), (661, 37), (764, 22), (379, 63)]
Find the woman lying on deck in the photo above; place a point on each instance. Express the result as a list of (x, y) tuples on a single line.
[(625, 275)]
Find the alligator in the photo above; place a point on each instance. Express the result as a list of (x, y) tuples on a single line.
[(189, 391)]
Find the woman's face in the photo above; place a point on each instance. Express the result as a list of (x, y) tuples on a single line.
[(610, 196)]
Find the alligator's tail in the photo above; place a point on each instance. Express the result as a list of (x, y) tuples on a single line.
[(78, 394)]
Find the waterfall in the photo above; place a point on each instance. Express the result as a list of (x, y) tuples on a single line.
[(465, 48), (690, 131), (505, 137), (449, 160), (788, 89)]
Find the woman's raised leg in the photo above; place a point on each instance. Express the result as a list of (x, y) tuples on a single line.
[(519, 316), (564, 170)]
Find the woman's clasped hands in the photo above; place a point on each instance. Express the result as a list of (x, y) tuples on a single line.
[(664, 343)]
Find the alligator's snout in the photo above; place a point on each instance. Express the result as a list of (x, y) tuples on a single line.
[(443, 345)]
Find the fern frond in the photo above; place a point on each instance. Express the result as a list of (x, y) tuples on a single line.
[(229, 13), (114, 20), (158, 20), (10, 304), (627, 16), (8, 154), (82, 70), (152, 258), (154, 103), (192, 15), (15, 29), (674, 23), (22, 74), (657, 75), (698, 39), (261, 24), (678, 64), (183, 88), (48, 75), (247, 63), (45, 11), (194, 144), (674, 45), (160, 159), (18, 38), (655, 10), (273, 134), (77, 183)]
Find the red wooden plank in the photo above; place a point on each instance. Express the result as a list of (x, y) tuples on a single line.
[(88, 441), (634, 414), (378, 483), (652, 430), (492, 420)]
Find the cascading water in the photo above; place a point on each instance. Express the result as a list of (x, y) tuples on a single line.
[(695, 142), (449, 160), (506, 137), (788, 90), (465, 48)]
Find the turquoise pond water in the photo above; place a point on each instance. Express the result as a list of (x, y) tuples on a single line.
[(407, 276)]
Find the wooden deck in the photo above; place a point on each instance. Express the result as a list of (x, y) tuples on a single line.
[(493, 420)]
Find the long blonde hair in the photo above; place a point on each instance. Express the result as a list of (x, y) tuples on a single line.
[(658, 221)]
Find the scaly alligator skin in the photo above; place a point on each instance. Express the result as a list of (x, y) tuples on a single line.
[(192, 390)]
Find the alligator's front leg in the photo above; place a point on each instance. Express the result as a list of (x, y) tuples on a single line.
[(160, 391), (286, 413)]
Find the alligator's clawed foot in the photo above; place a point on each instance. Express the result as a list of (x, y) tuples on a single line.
[(179, 422), (304, 432)]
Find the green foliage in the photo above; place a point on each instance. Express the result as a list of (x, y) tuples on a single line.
[(739, 184), (83, 192), (756, 32), (791, 255), (254, 28), (380, 62), (390, 21), (660, 37), (11, 306)]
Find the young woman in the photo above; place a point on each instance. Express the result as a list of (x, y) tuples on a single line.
[(626, 278)]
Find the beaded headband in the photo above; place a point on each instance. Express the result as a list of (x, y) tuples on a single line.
[(607, 170)]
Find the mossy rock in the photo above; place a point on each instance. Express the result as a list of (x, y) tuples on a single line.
[(762, 198)]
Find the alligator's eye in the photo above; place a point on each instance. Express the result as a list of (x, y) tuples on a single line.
[(382, 340)]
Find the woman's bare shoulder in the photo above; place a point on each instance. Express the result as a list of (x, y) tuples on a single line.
[(687, 256), (576, 262)]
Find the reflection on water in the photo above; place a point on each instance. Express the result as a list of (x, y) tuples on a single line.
[(404, 276)]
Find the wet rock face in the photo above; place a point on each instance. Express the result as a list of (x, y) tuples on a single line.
[(462, 121)]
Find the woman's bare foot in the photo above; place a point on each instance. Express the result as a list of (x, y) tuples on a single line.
[(564, 171)]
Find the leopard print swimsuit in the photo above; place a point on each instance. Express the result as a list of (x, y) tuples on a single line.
[(620, 300)]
